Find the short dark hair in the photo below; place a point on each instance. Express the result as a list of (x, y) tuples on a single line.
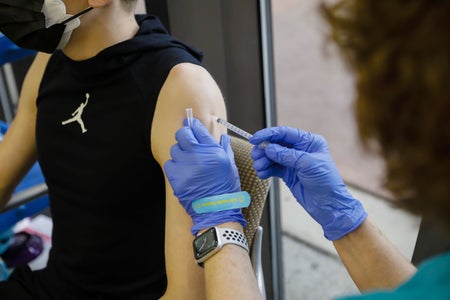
[(399, 52)]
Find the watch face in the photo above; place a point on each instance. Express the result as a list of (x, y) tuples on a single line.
[(205, 243)]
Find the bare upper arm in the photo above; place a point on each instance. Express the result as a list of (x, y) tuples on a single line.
[(18, 148), (187, 86)]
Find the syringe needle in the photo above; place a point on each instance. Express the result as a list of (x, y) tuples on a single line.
[(239, 131), (234, 128)]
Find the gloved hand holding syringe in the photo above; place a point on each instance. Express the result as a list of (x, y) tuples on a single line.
[(204, 177), (303, 161)]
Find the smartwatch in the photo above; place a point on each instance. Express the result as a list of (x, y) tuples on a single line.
[(212, 240)]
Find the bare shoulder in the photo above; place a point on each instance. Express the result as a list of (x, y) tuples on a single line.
[(194, 81), (183, 69), (33, 79), (187, 86), (38, 66), (190, 71)]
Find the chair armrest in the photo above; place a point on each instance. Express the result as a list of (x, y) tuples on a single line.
[(24, 196), (256, 258)]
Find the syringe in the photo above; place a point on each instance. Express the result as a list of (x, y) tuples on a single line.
[(234, 128)]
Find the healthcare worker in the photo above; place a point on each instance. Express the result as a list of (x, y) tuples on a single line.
[(399, 52)]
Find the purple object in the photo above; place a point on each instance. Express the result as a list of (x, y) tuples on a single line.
[(23, 249)]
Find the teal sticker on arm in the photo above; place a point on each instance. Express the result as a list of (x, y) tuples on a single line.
[(221, 202)]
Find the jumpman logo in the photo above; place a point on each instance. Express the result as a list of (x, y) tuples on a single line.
[(77, 115)]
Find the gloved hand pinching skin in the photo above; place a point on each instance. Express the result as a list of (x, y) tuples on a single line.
[(200, 167), (304, 163)]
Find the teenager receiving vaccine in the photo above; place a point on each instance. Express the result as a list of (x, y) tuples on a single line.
[(99, 110)]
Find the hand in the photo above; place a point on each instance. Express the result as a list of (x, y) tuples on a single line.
[(304, 163), (200, 167)]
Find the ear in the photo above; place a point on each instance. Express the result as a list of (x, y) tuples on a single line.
[(99, 3)]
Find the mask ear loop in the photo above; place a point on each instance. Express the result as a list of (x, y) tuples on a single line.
[(76, 16), (69, 27)]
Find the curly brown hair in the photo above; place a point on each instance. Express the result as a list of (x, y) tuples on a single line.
[(399, 52)]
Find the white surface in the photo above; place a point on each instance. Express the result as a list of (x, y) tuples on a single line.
[(41, 226)]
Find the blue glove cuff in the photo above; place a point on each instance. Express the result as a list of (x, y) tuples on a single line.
[(205, 221), (345, 222), (221, 202)]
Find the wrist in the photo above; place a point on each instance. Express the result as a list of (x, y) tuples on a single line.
[(232, 225), (214, 239), (207, 220), (345, 222)]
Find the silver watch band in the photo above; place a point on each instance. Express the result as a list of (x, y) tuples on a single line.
[(231, 236), (222, 237)]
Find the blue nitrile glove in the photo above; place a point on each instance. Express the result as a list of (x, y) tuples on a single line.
[(304, 163), (200, 167)]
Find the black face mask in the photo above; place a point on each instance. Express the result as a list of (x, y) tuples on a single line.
[(24, 23)]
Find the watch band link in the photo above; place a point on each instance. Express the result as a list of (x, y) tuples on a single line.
[(231, 236)]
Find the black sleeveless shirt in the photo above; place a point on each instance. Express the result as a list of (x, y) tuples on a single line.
[(93, 137)]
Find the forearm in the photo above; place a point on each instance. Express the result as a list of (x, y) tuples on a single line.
[(372, 260), (185, 278), (16, 159), (18, 148), (229, 273)]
